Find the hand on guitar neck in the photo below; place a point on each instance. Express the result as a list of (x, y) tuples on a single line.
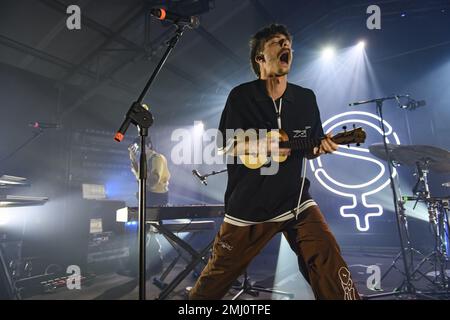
[(327, 145)]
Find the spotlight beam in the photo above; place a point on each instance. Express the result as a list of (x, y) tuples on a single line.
[(328, 53)]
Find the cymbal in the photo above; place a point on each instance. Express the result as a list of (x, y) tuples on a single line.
[(378, 150), (433, 158)]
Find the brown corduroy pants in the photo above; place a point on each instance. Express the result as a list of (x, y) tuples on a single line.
[(318, 254)]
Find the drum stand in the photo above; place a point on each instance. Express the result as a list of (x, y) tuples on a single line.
[(438, 218), (409, 251), (438, 258)]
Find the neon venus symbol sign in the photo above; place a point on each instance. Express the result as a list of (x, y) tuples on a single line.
[(358, 192)]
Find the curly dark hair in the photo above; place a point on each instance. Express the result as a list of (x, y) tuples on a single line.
[(258, 41)]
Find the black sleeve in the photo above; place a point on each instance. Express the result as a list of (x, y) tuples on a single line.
[(231, 118), (317, 129)]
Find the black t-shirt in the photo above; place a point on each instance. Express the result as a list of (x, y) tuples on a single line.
[(251, 197)]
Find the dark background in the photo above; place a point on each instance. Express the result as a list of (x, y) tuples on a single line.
[(85, 80)]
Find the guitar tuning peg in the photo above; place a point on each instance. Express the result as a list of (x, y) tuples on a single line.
[(348, 145), (358, 144), (345, 128), (354, 126)]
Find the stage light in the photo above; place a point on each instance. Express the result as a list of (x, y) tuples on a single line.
[(361, 45), (5, 218), (328, 53), (199, 127), (287, 275), (403, 15)]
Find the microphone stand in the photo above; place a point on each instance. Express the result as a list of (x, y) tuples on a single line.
[(407, 287), (36, 135), (203, 177), (139, 116)]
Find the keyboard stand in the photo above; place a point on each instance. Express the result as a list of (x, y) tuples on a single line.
[(159, 282), (195, 256), (6, 281)]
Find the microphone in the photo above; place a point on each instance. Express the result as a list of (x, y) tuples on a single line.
[(192, 22), (201, 178), (44, 125), (413, 104)]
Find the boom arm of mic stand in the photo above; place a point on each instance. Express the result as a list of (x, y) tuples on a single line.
[(213, 173), (377, 100), (136, 110)]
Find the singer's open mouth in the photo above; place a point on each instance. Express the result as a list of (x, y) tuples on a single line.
[(284, 57)]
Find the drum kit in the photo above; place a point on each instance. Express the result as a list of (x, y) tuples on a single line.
[(424, 159)]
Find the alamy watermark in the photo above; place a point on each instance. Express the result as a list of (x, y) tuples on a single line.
[(211, 148), (374, 20), (73, 22), (74, 280), (373, 282)]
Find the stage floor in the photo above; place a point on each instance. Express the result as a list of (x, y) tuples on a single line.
[(112, 286)]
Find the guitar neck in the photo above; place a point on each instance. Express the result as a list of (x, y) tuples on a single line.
[(301, 144), (308, 144), (356, 135)]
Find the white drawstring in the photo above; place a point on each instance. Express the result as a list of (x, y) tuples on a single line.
[(278, 111), (297, 210)]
